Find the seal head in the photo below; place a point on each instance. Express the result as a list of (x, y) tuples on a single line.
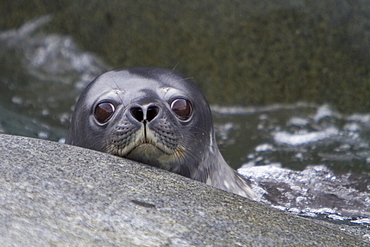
[(155, 116)]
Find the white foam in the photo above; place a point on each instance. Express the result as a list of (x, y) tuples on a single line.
[(315, 190), (361, 221), (264, 147), (284, 137), (322, 112)]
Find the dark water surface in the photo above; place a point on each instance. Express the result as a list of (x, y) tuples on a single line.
[(307, 158)]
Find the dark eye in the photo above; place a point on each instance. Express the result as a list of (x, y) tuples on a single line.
[(182, 108), (103, 112)]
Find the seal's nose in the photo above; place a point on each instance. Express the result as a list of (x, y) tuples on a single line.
[(141, 113)]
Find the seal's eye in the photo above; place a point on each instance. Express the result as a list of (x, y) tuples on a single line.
[(182, 108), (103, 112)]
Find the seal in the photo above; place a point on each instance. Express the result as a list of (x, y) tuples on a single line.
[(155, 116)]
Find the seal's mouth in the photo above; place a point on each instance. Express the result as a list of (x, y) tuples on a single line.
[(150, 144), (146, 153), (153, 155), (147, 146)]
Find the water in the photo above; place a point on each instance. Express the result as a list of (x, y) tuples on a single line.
[(41, 77), (296, 135), (304, 158)]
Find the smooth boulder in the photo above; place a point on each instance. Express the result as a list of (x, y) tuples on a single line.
[(56, 194)]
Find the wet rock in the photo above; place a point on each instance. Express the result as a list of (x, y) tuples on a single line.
[(244, 52), (55, 194)]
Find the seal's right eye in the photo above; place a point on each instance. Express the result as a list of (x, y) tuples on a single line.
[(103, 112)]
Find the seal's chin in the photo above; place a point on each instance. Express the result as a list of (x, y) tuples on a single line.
[(145, 153), (151, 155)]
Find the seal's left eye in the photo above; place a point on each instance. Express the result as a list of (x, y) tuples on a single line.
[(103, 112), (182, 108)]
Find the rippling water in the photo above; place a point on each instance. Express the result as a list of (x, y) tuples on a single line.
[(41, 76), (304, 158)]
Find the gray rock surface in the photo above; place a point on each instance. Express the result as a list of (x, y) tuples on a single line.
[(55, 194)]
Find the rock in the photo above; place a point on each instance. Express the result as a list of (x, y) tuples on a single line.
[(55, 194), (239, 52)]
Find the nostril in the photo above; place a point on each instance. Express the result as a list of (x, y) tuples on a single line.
[(137, 113), (152, 113)]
